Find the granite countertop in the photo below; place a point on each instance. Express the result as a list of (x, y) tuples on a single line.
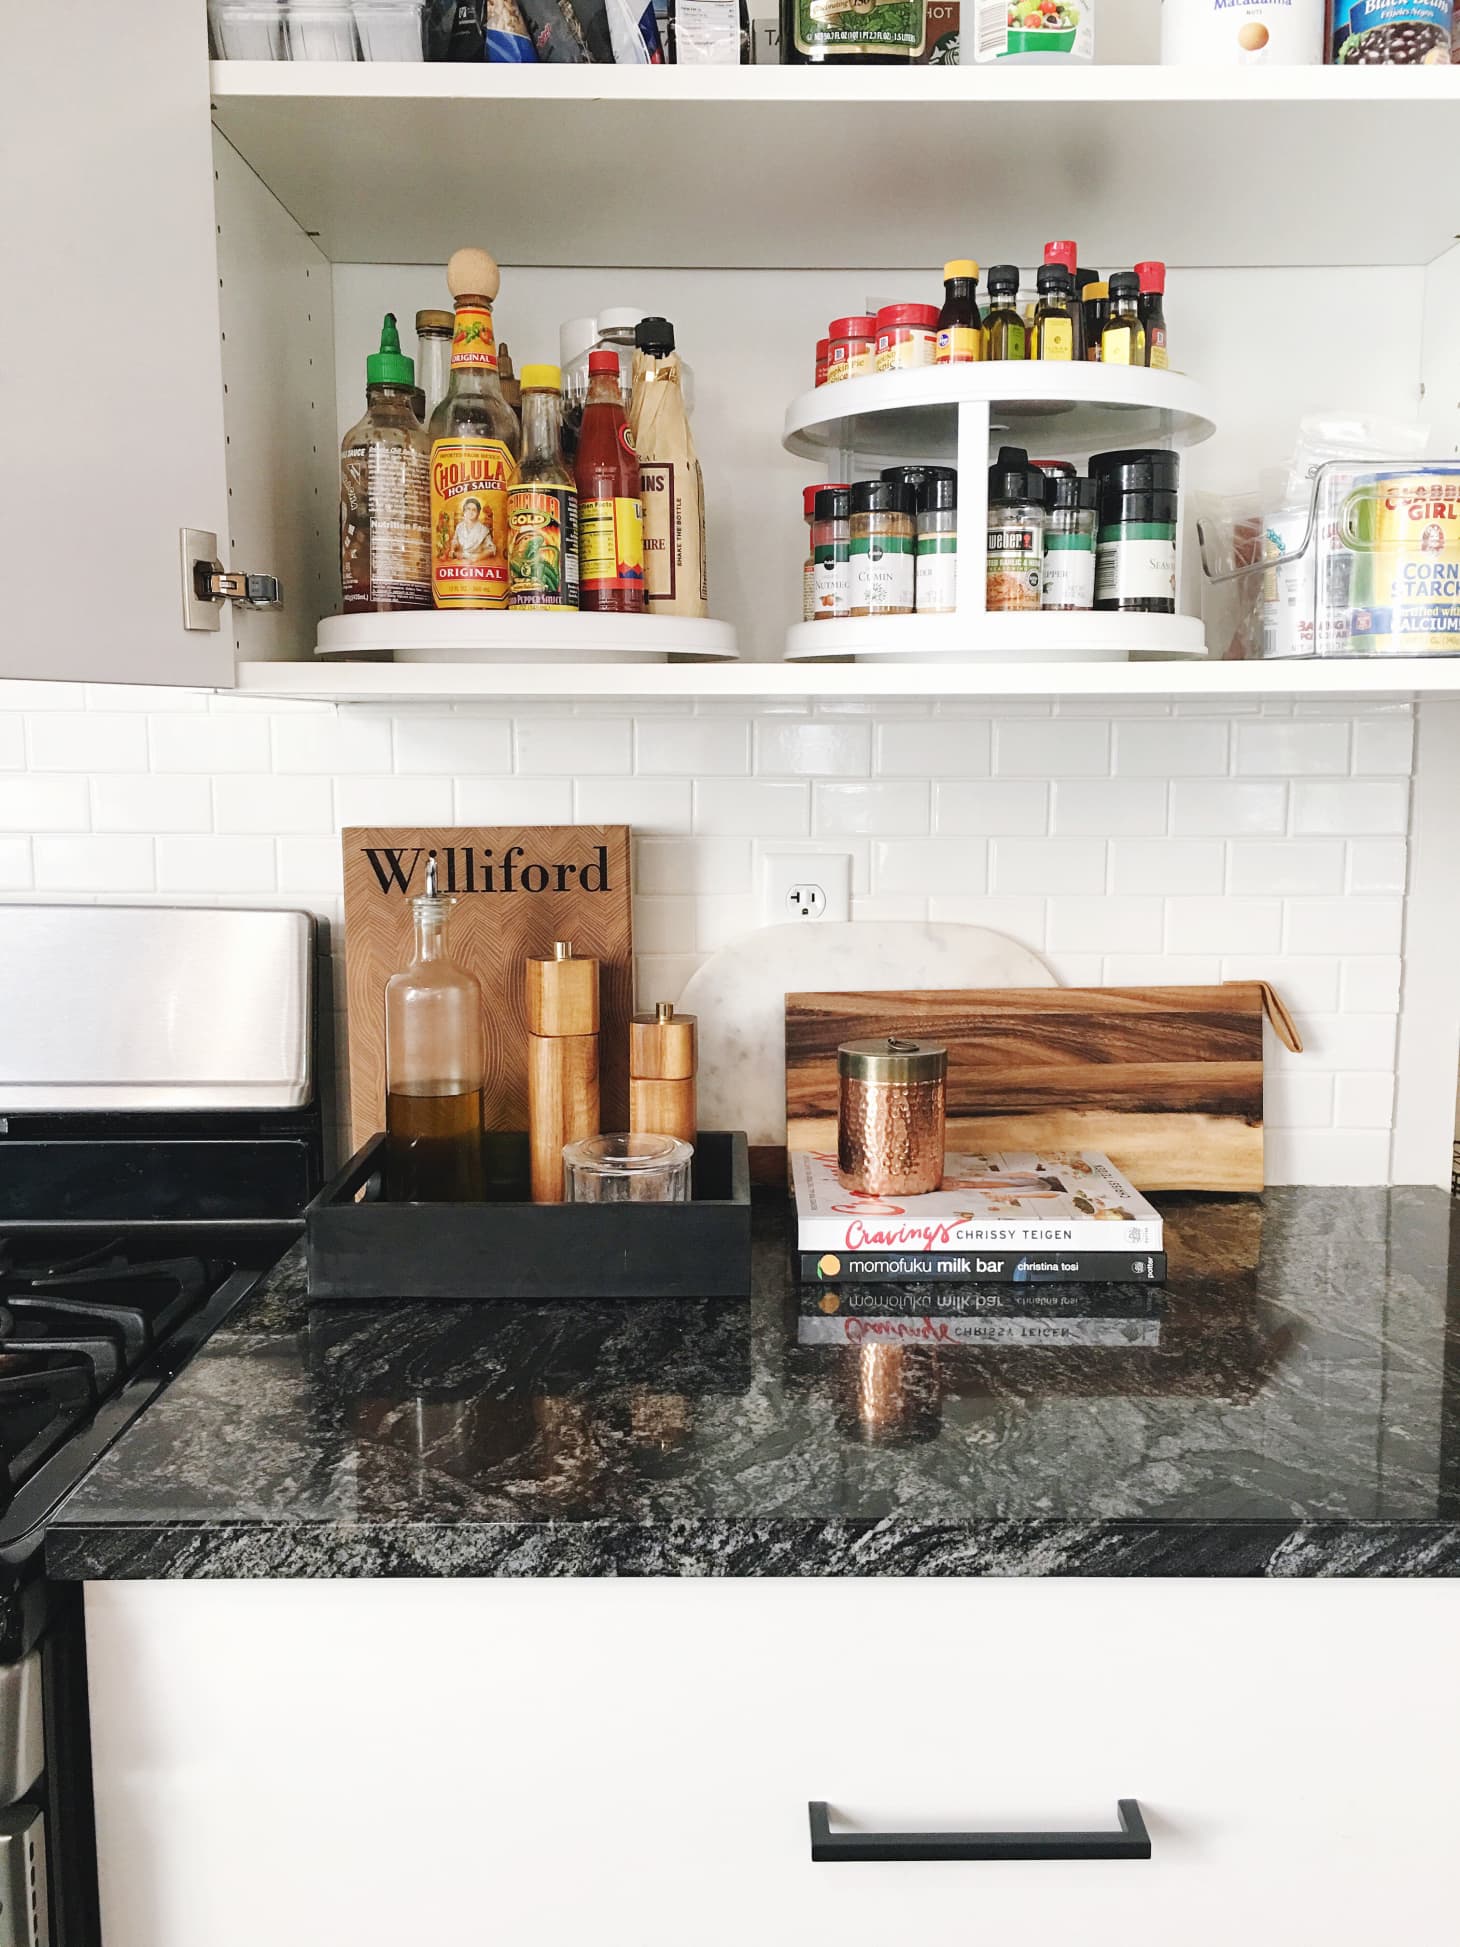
[(1300, 1416)]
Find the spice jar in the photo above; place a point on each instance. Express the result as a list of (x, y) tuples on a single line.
[(917, 475), (823, 359), (891, 1112), (831, 547), (1069, 543), (937, 562), (852, 346), (907, 336), (1135, 546), (1015, 532), (883, 548), (808, 566)]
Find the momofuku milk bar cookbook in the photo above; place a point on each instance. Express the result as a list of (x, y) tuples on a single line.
[(517, 890)]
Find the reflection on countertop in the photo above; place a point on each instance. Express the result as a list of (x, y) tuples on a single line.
[(1297, 1416)]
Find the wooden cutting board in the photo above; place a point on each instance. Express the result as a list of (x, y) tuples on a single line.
[(517, 890), (1166, 1080)]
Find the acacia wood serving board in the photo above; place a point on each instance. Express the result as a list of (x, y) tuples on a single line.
[(1167, 1081), (517, 890)]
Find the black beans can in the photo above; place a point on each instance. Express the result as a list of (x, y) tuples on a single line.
[(1135, 536)]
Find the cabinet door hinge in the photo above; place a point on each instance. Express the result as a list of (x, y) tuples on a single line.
[(207, 584)]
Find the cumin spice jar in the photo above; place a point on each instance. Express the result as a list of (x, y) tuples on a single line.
[(891, 1113)]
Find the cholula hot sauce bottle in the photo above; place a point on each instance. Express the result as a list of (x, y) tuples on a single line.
[(475, 443)]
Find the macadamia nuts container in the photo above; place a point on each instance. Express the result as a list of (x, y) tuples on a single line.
[(891, 1116), (1249, 33)]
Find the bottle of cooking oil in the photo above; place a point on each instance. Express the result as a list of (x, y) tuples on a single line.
[(1005, 332), (435, 1067)]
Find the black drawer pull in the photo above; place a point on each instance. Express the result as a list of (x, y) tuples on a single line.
[(830, 1848)]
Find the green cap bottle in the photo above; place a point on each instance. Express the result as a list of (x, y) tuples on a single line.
[(389, 366)]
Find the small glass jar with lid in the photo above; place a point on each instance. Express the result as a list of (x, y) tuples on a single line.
[(883, 548), (1069, 543), (937, 562), (891, 1116), (831, 549)]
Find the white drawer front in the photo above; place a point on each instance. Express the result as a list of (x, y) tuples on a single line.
[(630, 1762)]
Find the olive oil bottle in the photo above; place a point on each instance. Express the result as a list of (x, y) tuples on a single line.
[(1005, 333)]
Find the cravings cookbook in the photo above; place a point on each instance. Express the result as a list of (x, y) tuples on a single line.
[(1004, 1201)]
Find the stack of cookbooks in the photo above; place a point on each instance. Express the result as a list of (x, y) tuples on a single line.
[(1013, 1250)]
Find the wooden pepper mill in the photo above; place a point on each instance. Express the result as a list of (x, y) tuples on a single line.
[(663, 1058), (562, 1063)]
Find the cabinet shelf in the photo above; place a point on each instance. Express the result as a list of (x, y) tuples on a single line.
[(1001, 640), (423, 636), (1377, 679), (353, 151), (1072, 408)]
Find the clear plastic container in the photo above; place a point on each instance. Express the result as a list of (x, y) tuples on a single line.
[(322, 32), (390, 30), (627, 1169), (247, 30)]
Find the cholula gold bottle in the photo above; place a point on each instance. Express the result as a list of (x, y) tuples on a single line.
[(435, 1062), (475, 445)]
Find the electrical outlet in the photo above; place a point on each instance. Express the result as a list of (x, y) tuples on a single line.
[(798, 886)]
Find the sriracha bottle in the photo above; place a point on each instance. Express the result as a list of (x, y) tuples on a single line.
[(610, 510)]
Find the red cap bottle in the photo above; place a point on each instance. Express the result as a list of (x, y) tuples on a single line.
[(1152, 276), (1062, 253)]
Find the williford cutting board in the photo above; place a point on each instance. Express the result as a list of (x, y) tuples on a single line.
[(1166, 1080), (517, 890)]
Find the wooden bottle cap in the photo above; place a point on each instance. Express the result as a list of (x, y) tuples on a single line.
[(473, 273), (663, 1046), (562, 993)]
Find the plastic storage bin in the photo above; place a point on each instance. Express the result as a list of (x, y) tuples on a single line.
[(390, 30), (247, 30), (321, 32)]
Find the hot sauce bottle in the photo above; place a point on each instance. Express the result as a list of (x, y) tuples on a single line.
[(475, 443), (610, 510)]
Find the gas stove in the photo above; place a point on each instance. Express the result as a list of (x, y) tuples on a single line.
[(160, 1135)]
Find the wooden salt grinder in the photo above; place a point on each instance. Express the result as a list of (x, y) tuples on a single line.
[(562, 1063), (663, 1057)]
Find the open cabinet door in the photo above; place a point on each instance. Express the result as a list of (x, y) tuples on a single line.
[(110, 362)]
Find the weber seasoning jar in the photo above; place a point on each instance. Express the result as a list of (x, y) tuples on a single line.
[(891, 1116)]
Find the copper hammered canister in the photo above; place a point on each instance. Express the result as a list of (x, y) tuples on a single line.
[(890, 1116)]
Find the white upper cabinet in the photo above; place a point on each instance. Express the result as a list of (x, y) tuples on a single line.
[(110, 361)]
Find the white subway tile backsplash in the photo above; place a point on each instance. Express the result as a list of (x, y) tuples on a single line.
[(393, 801), (664, 925), (16, 695), (568, 748), (1357, 807), (649, 804), (1384, 746), (310, 865), (215, 864), (210, 744), (1363, 1041), (1327, 1156), (928, 866), (1292, 1100), (1369, 984), (957, 747), (902, 907), (514, 801), (1048, 865), (345, 740), (1024, 919), (271, 804), (697, 865), (12, 744), (1166, 865), (1066, 747), (1377, 864), (797, 747), (150, 697), (1272, 749), (469, 746), (986, 810), (1224, 925), (151, 803), (1345, 925), (94, 864), (706, 747), (1115, 924), (31, 803), (1307, 986), (87, 743), (1363, 1101), (15, 864), (1164, 749), (721, 917), (758, 809), (1161, 970), (1116, 806), (1227, 809), (1299, 866), (1076, 969), (663, 977), (897, 809)]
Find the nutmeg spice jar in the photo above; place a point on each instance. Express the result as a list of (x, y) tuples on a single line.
[(891, 1116)]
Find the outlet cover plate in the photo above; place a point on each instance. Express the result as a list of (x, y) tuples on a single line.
[(797, 887)]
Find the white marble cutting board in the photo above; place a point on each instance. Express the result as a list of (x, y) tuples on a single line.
[(740, 994)]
